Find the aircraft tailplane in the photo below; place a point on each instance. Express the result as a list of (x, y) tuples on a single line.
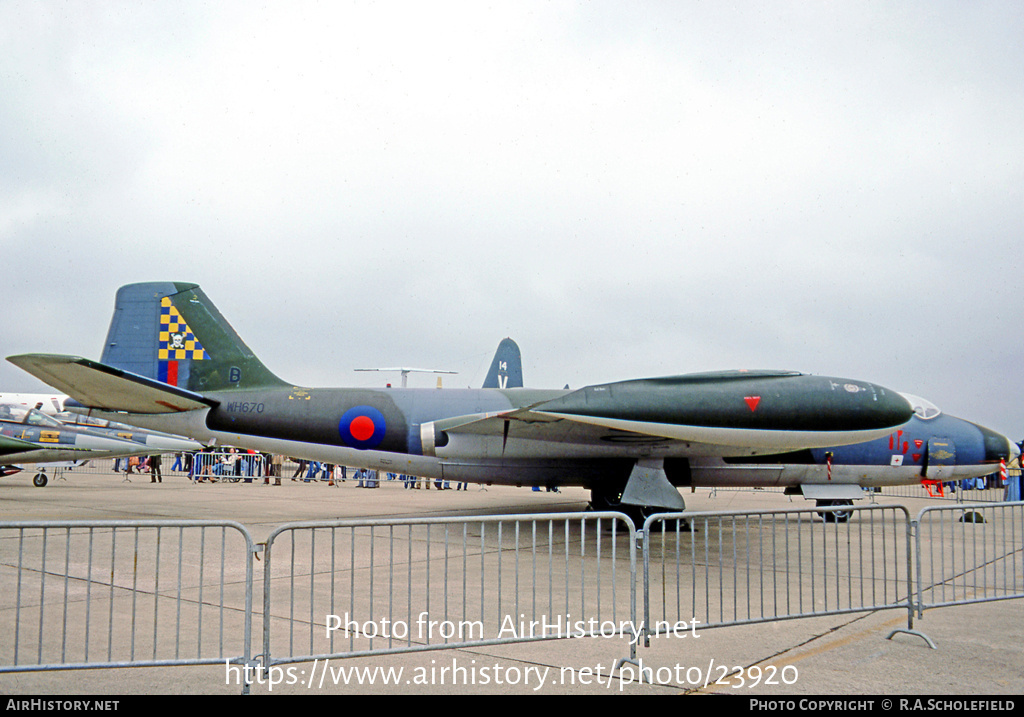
[(95, 385)]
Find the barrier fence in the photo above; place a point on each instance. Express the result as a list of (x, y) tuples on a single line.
[(351, 588), (969, 554), (734, 568), (82, 594), (232, 467)]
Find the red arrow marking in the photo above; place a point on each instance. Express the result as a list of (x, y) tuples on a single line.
[(752, 401)]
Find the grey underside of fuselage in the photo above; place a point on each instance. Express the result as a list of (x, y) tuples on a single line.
[(718, 473)]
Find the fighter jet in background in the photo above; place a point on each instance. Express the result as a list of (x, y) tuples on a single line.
[(30, 437), (155, 441), (173, 363)]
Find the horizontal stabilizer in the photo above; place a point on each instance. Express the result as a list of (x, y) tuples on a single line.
[(97, 385)]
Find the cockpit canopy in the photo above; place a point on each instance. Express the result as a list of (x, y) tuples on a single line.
[(28, 416), (923, 408)]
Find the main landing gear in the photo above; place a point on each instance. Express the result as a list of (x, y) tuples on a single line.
[(834, 516), (611, 500)]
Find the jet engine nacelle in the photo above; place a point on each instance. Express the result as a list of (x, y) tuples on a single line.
[(432, 438)]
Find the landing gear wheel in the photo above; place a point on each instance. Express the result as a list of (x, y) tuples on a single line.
[(39, 480), (600, 501), (834, 516)]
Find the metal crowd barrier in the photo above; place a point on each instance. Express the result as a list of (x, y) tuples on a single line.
[(738, 568), (985, 560), (227, 466), (352, 588), (89, 594), (973, 490)]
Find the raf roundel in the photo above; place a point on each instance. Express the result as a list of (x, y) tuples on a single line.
[(362, 427)]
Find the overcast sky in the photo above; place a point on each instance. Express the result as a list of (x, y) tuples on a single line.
[(626, 189)]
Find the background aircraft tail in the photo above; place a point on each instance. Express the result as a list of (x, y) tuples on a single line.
[(507, 367), (172, 332)]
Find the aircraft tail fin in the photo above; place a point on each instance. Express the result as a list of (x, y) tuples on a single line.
[(171, 332), (507, 367)]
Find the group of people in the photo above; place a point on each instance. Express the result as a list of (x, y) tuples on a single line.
[(309, 471), (141, 464), (414, 482), (212, 465)]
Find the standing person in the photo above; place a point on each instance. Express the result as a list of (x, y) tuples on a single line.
[(1015, 484), (155, 475), (313, 473)]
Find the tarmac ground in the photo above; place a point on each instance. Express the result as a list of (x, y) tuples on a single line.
[(979, 647)]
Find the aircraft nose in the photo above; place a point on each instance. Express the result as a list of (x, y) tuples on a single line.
[(998, 447)]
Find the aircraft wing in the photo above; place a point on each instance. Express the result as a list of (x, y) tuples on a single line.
[(709, 414), (96, 385), (536, 425)]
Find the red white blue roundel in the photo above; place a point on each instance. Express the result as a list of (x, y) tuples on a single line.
[(362, 427)]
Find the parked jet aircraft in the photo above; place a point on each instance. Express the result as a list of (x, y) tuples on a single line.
[(30, 437), (155, 441), (173, 363)]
